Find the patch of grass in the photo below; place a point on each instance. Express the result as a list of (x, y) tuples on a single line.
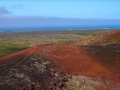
[(7, 48), (117, 42), (65, 42), (74, 86)]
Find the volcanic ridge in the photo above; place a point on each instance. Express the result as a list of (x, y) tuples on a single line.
[(90, 64)]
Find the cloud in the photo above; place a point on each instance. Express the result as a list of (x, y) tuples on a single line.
[(3, 10), (17, 6), (42, 21)]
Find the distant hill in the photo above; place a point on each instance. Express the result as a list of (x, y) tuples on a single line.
[(111, 37)]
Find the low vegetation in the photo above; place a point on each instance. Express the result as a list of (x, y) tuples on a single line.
[(7, 48), (11, 42), (64, 42), (118, 42)]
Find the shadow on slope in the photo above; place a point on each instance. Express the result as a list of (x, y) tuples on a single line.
[(108, 55)]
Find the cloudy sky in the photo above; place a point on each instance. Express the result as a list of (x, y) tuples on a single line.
[(58, 12)]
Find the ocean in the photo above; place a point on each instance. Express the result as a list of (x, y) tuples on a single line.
[(23, 29)]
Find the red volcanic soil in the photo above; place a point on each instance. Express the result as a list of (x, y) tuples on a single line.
[(107, 38), (15, 59), (24, 54), (108, 55), (72, 58)]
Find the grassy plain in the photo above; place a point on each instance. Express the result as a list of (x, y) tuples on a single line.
[(11, 42)]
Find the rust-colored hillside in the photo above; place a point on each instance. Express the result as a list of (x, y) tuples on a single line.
[(103, 39), (108, 56), (77, 66)]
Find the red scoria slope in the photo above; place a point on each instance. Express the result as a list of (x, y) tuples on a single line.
[(107, 38), (72, 58), (16, 59)]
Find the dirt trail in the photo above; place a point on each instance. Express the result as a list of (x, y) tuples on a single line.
[(23, 55), (72, 58)]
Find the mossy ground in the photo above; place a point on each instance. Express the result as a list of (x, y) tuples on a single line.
[(16, 41), (7, 48)]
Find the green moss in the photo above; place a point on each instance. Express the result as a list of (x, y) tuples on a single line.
[(73, 85), (117, 42), (65, 42), (7, 48)]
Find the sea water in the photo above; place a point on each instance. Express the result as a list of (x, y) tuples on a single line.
[(22, 29)]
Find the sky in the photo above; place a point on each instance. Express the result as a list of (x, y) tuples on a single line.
[(58, 12)]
